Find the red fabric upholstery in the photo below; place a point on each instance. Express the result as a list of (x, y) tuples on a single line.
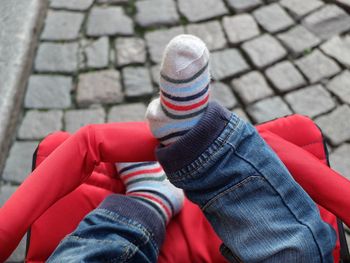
[(53, 199)]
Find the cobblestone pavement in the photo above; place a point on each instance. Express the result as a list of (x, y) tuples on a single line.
[(98, 61)]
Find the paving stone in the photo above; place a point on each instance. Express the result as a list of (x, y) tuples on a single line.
[(310, 101), (155, 72), (137, 81), (264, 50), (156, 12), (340, 160), (99, 87), (19, 163), (62, 25), (268, 109), (345, 3), (57, 57), (273, 18), (243, 5), (300, 8), (130, 50), (299, 40), (108, 21), (38, 124), (19, 254), (251, 87), (317, 66), (5, 192), (336, 125), (338, 48), (340, 86), (75, 119), (227, 63), (128, 112), (240, 28), (48, 92), (284, 76), (157, 41), (96, 53), (198, 10), (328, 21), (112, 1), (222, 93), (80, 5), (210, 32), (240, 113)]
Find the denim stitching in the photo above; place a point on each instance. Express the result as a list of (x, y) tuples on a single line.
[(232, 188)]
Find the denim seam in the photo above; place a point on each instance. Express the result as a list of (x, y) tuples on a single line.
[(216, 147), (291, 211), (232, 188)]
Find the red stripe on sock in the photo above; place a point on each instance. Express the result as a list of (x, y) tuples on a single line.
[(186, 107), (150, 197), (155, 170)]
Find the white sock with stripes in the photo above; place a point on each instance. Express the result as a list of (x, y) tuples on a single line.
[(184, 89), (147, 182)]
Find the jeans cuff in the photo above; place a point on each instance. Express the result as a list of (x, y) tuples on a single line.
[(188, 147), (129, 207)]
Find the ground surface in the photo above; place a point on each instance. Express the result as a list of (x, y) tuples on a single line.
[(97, 62)]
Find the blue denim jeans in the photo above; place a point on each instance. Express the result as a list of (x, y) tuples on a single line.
[(257, 209)]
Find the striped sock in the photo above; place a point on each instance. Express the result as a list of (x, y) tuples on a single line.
[(147, 182), (184, 89)]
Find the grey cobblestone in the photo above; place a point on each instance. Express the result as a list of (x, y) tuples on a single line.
[(338, 48), (99, 87), (241, 113), (222, 93), (127, 112), (284, 76), (57, 57), (5, 192), (155, 70), (210, 32), (336, 125), (298, 40), (273, 18), (157, 40), (222, 66), (62, 25), (251, 87), (48, 92), (130, 50), (96, 53), (316, 96), (328, 21), (112, 1), (109, 21), (19, 254), (264, 50), (268, 109), (198, 10), (340, 160), (317, 66), (75, 119), (300, 8), (339, 86), (156, 12), (137, 81), (38, 124), (19, 162), (345, 3), (243, 5), (240, 28), (80, 5)]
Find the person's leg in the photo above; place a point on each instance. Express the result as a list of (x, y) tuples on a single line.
[(245, 191), (126, 228)]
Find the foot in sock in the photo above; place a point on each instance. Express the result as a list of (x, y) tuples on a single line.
[(147, 182), (184, 89)]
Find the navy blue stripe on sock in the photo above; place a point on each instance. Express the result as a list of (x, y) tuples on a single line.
[(172, 135), (179, 81), (165, 198), (135, 166), (142, 179), (181, 117), (192, 97)]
